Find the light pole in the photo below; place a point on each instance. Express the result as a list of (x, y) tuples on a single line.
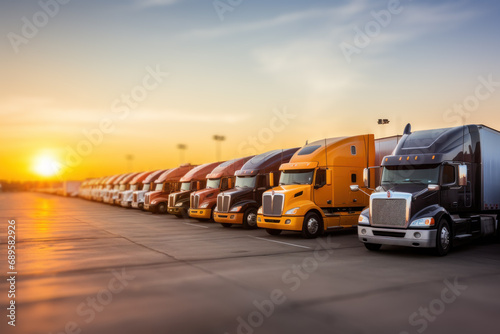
[(182, 148), (218, 139)]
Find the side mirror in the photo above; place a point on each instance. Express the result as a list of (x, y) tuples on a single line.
[(229, 183), (366, 177), (462, 175), (271, 179), (329, 176), (354, 188), (433, 187), (198, 185)]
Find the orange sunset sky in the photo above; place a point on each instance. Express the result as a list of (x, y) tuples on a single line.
[(154, 74)]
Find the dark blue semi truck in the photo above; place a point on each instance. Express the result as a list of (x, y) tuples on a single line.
[(438, 188)]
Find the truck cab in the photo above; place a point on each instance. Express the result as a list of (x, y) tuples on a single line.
[(202, 202), (156, 200), (240, 204), (135, 184), (438, 189), (195, 179), (114, 186), (124, 184), (313, 195), (147, 185)]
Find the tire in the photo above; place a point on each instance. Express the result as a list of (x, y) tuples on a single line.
[(227, 225), (312, 227), (443, 238), (373, 247), (162, 208), (250, 219), (272, 231), (141, 206)]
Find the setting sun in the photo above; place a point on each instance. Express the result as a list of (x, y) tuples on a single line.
[(46, 166)]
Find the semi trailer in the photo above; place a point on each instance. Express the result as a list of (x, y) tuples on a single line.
[(147, 185), (202, 202), (438, 189), (195, 179), (156, 201), (240, 204), (313, 195)]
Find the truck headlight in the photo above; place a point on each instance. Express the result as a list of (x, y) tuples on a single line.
[(363, 220), (203, 206), (178, 204), (423, 222), (292, 211), (235, 209), (259, 212)]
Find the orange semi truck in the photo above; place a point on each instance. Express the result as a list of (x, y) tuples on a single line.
[(203, 201), (135, 184), (147, 185), (239, 205), (313, 195), (156, 201), (195, 179)]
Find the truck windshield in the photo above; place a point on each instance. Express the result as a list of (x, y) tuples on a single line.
[(146, 187), (245, 181), (123, 187), (426, 174), (213, 183), (185, 186), (159, 186), (133, 187), (297, 176)]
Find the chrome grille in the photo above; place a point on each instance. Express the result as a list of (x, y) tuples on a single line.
[(171, 200), (272, 205), (388, 212), (146, 199), (223, 202), (134, 197), (195, 201)]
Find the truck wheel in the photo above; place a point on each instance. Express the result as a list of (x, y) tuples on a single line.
[(141, 206), (373, 247), (226, 224), (312, 226), (162, 208), (272, 231), (443, 238), (250, 218)]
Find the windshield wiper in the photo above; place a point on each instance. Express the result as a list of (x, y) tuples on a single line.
[(414, 181)]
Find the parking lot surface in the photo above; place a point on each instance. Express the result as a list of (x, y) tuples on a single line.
[(86, 267)]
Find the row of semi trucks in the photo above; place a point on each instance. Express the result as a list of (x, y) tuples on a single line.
[(428, 189)]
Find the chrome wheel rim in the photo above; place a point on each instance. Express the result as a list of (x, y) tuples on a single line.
[(312, 226), (252, 219), (445, 237)]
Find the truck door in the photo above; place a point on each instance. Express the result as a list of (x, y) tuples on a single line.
[(322, 192), (450, 191)]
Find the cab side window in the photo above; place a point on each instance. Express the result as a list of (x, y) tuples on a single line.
[(449, 174), (320, 178)]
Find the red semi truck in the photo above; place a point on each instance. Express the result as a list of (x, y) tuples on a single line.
[(156, 201), (222, 178), (147, 185), (136, 184), (195, 179)]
